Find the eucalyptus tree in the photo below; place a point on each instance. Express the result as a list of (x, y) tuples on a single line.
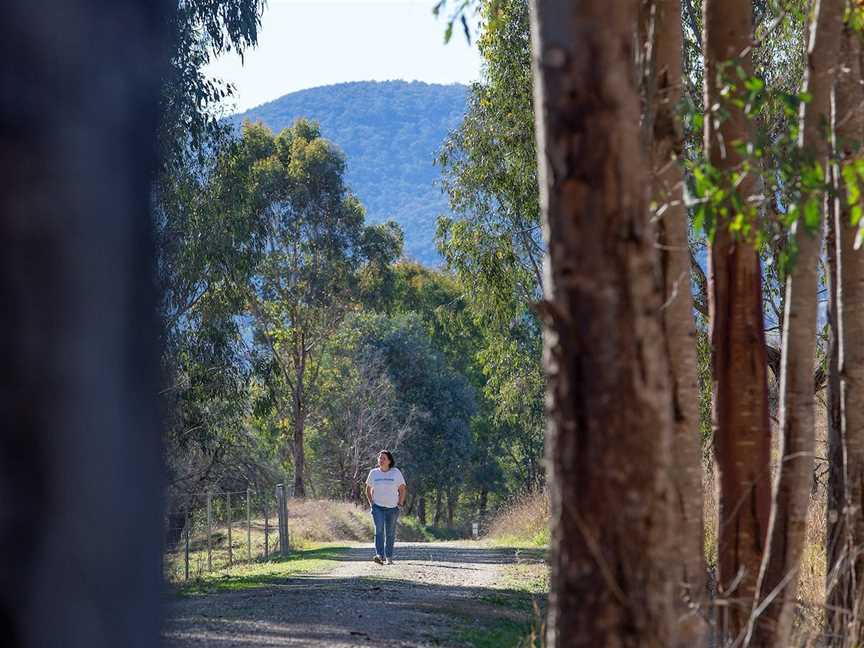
[(787, 532), (609, 457), (846, 529), (203, 370), (200, 31), (664, 89), (437, 402), (304, 246), (742, 433), (505, 447), (361, 412), (493, 243)]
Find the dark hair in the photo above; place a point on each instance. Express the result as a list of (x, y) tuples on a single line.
[(389, 455)]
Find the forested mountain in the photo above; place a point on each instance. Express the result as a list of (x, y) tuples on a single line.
[(390, 132)]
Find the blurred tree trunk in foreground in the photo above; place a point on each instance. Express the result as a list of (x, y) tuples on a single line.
[(79, 454), (610, 420)]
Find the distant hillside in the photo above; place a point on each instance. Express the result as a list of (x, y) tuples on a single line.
[(390, 132)]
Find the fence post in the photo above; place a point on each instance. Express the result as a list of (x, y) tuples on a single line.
[(287, 546), (209, 532), (266, 530), (282, 503), (248, 525), (230, 550), (186, 552)]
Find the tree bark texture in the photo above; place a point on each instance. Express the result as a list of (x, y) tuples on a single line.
[(791, 493), (678, 322), (452, 499), (421, 510), (439, 509), (835, 597), (742, 434), (299, 420), (610, 408), (78, 323), (849, 125)]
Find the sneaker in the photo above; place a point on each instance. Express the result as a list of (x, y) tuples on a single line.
[(388, 561), (378, 560)]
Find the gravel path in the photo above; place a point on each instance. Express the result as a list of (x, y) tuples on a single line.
[(411, 604)]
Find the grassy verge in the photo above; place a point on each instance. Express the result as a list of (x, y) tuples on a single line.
[(523, 524), (261, 573), (537, 540), (516, 618), (410, 530)]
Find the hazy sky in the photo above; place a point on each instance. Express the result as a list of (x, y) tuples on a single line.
[(308, 43)]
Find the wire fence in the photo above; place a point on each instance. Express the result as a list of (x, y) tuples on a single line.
[(221, 529)]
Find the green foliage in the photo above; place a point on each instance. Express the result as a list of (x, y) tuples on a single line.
[(493, 243), (304, 247), (390, 133), (203, 364), (202, 30), (779, 170), (411, 527), (436, 451)]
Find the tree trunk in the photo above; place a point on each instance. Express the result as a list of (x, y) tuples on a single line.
[(835, 596), (609, 424), (421, 510), (850, 319), (299, 418), (452, 500), (742, 433), (484, 498), (411, 501), (78, 324), (787, 535), (678, 323), (439, 509)]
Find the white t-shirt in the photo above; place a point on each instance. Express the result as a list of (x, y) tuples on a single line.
[(385, 486)]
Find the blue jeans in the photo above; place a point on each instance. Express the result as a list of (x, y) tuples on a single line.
[(385, 529)]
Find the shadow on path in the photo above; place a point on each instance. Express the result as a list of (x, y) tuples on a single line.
[(419, 602)]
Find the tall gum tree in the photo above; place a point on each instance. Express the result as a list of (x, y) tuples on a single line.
[(791, 493), (849, 311), (678, 322), (306, 243), (740, 386), (610, 409)]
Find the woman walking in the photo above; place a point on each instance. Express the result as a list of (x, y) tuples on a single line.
[(385, 490)]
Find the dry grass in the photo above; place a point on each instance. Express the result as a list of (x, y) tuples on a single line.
[(524, 523), (311, 521)]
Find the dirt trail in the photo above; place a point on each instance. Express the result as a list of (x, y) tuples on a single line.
[(412, 604)]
